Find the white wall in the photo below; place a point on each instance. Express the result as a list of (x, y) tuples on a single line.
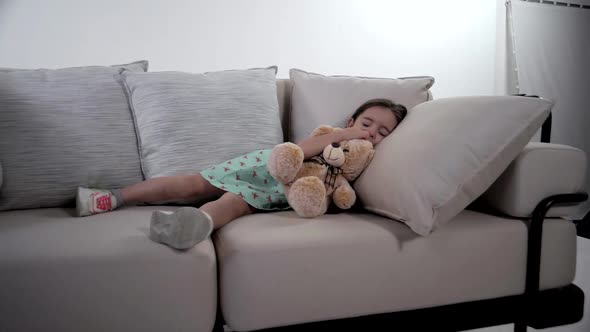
[(454, 41), (505, 76)]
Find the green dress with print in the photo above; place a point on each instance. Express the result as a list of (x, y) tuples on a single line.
[(247, 177)]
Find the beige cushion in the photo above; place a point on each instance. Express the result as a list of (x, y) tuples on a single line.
[(445, 154), (278, 269), (331, 100), (540, 170), (100, 273)]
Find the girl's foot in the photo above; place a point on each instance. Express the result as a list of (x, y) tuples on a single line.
[(93, 201), (181, 229)]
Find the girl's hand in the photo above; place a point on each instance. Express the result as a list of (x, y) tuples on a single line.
[(354, 133), (314, 145)]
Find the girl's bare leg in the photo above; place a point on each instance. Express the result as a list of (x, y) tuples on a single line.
[(163, 189), (166, 188), (227, 208), (186, 227)]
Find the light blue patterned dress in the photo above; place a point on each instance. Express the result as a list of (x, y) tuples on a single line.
[(247, 177)]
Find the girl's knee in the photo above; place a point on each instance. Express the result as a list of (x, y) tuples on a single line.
[(202, 187), (238, 204), (185, 187), (197, 182)]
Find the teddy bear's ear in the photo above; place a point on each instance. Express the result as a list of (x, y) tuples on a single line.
[(322, 130)]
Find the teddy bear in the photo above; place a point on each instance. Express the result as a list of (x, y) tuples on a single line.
[(310, 186)]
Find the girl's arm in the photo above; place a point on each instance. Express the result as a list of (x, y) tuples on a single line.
[(314, 145)]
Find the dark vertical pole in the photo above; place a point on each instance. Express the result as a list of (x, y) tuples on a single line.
[(546, 130)]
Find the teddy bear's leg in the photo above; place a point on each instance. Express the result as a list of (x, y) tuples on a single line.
[(344, 196), (284, 162), (307, 196)]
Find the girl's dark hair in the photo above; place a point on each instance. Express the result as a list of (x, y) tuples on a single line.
[(398, 110)]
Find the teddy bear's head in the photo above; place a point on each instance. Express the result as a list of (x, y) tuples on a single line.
[(334, 155), (358, 153), (352, 156)]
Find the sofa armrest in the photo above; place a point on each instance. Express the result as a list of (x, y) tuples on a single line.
[(539, 171)]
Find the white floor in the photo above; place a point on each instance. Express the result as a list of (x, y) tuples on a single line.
[(582, 280)]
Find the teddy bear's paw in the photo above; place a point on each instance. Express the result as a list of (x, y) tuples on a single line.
[(344, 197), (285, 161), (307, 196)]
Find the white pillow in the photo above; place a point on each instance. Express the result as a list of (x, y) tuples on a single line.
[(331, 100), (445, 154)]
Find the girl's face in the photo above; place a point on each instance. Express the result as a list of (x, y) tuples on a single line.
[(379, 121)]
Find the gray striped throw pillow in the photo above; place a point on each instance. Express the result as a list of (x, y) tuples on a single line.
[(64, 128), (187, 122)]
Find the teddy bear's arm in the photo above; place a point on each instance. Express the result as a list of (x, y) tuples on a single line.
[(284, 162), (344, 196)]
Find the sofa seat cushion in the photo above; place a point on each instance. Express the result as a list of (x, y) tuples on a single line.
[(278, 269), (100, 273)]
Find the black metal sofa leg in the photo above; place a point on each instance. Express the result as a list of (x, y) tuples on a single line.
[(520, 327)]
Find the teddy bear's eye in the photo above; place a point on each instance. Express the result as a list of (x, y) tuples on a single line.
[(345, 150)]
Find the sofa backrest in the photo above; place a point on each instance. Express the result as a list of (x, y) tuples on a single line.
[(88, 144)]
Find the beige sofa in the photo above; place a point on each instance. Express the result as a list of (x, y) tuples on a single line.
[(273, 270)]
